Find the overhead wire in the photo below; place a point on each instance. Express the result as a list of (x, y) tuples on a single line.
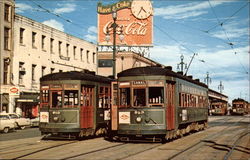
[(229, 41), (43, 9), (222, 23)]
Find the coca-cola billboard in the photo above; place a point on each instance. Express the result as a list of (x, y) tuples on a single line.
[(137, 32)]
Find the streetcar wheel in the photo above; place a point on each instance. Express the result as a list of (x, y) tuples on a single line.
[(22, 127), (6, 130)]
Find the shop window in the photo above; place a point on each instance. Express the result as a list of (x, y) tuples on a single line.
[(70, 97), (156, 95), (139, 97), (125, 97)]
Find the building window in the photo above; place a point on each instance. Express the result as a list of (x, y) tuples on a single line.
[(43, 42), (51, 45), (21, 35), (34, 39), (94, 57), (21, 73), (52, 70), (87, 55), (5, 71), (6, 38), (81, 54), (74, 52), (59, 47), (43, 70), (7, 12), (33, 71), (67, 50), (105, 63)]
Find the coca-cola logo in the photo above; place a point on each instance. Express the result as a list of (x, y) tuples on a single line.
[(133, 28)]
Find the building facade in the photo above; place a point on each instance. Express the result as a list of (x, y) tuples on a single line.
[(6, 51), (36, 50)]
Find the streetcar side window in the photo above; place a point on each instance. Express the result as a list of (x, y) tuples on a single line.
[(104, 97), (156, 95), (56, 99), (125, 97), (139, 97)]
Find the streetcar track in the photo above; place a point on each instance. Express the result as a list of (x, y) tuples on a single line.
[(234, 146), (139, 152), (43, 149), (15, 147), (94, 151), (206, 140)]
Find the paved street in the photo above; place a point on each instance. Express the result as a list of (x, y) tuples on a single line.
[(226, 138), (20, 134)]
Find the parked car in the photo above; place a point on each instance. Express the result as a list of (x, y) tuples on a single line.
[(20, 121), (6, 123), (34, 122)]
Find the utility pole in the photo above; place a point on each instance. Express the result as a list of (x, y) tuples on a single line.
[(221, 87), (208, 79), (182, 64)]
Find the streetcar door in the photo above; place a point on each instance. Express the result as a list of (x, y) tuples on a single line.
[(87, 107), (170, 111), (114, 112)]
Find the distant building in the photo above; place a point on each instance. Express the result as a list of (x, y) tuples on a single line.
[(124, 60), (31, 50)]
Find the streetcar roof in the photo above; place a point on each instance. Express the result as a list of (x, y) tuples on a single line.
[(156, 71), (75, 75)]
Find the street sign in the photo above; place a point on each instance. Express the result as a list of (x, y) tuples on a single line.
[(14, 91)]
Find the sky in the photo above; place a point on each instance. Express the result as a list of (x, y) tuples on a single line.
[(216, 32)]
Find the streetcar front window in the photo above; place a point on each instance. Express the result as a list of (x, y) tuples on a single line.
[(56, 99), (156, 95), (70, 97), (125, 96), (139, 97)]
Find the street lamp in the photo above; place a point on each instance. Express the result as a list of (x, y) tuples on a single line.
[(115, 28)]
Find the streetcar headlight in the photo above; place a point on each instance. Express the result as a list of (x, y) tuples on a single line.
[(138, 119), (55, 119), (136, 112)]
